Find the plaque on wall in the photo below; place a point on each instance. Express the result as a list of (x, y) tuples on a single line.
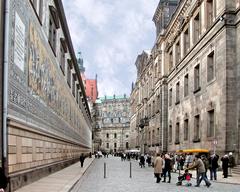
[(19, 42)]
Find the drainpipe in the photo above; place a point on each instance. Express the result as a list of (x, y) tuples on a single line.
[(5, 85)]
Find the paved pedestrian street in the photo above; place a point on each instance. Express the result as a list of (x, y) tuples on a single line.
[(118, 180)]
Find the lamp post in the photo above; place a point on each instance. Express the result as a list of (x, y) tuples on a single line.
[(143, 122)]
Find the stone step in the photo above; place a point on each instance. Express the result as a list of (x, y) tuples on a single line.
[(236, 170)]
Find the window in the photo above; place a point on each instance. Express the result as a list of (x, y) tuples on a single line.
[(149, 110), (62, 57), (186, 85), (69, 75), (153, 136), (170, 60), (149, 135), (178, 52), (115, 145), (197, 128), (73, 84), (210, 67), (107, 135), (170, 133), (53, 26), (170, 97), (107, 145), (77, 96), (186, 41), (126, 136), (197, 28), (197, 78), (177, 92), (127, 145), (115, 135), (210, 128), (153, 108), (209, 13), (177, 140), (186, 129), (92, 92), (38, 7)]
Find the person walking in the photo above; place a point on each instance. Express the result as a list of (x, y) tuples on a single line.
[(167, 168), (142, 161), (231, 163), (206, 163), (225, 161), (82, 158), (3, 180), (158, 163), (213, 166), (199, 165)]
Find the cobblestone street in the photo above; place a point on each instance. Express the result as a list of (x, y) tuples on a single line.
[(142, 180)]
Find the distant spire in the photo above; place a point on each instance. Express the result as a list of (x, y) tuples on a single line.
[(80, 62)]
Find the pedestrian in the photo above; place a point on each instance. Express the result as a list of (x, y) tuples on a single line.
[(3, 180), (206, 163), (82, 158), (231, 163), (225, 161), (199, 165), (142, 161), (158, 163), (213, 166), (167, 168)]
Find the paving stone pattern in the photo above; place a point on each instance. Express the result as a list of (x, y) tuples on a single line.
[(142, 180)]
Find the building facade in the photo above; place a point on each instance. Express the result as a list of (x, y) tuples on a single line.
[(47, 124), (197, 76), (1, 78), (112, 129)]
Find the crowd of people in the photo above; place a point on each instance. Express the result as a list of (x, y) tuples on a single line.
[(206, 165)]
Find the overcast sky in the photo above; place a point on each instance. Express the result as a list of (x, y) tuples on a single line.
[(110, 34)]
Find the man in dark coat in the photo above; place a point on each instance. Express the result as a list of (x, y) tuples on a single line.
[(225, 161), (167, 168), (213, 166), (3, 180), (82, 158)]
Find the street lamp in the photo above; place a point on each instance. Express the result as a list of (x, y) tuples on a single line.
[(143, 122)]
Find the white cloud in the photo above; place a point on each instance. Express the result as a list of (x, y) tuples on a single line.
[(110, 34)]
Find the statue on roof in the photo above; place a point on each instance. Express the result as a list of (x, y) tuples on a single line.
[(80, 62)]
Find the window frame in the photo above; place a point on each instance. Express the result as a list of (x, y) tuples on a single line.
[(211, 64), (177, 133), (177, 93), (211, 123), (197, 121), (197, 79), (186, 85)]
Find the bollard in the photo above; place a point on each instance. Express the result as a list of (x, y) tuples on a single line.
[(104, 170), (130, 169)]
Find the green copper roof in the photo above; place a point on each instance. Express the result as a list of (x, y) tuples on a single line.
[(101, 99)]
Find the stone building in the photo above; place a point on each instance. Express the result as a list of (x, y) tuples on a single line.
[(1, 76), (193, 66), (47, 117), (111, 130)]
